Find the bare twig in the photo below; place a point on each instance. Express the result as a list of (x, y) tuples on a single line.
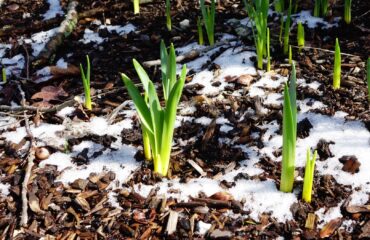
[(190, 55), (325, 50), (115, 112), (30, 163)]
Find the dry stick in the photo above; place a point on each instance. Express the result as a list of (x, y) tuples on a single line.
[(66, 28), (49, 109), (30, 163), (325, 50), (189, 55)]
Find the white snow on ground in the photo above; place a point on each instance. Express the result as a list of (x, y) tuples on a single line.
[(39, 40), (54, 9), (326, 215), (350, 137), (13, 65), (61, 63), (3, 48), (4, 188), (93, 37), (312, 22)]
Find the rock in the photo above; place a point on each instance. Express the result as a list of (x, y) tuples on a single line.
[(184, 24), (350, 164), (330, 227), (221, 234)]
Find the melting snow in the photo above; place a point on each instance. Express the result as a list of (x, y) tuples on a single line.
[(54, 9)]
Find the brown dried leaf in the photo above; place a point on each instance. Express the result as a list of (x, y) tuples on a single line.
[(358, 209), (245, 79), (34, 204), (330, 228), (47, 94), (223, 196)]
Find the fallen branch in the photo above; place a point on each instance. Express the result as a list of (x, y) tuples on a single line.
[(66, 28), (189, 55), (30, 164), (35, 109)]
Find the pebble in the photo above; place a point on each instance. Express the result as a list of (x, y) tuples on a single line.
[(184, 24)]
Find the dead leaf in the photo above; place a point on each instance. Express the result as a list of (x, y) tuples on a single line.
[(33, 201), (48, 94), (224, 196), (358, 209), (245, 79), (330, 228)]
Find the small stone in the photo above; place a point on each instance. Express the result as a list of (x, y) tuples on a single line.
[(184, 24)]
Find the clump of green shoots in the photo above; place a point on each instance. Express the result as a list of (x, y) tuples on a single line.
[(258, 12), (337, 66), (136, 6), (86, 83), (287, 29), (368, 79), (168, 15), (317, 7), (158, 121), (300, 35), (347, 11), (209, 20), (308, 176), (3, 71), (289, 133), (200, 32)]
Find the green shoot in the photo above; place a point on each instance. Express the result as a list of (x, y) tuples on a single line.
[(289, 133), (324, 7), (4, 74), (209, 20), (200, 32), (308, 176), (347, 11), (279, 6), (337, 66), (290, 58), (158, 121), (168, 15), (259, 13), (300, 35), (287, 29), (86, 83), (268, 68), (317, 8), (136, 6), (368, 78)]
